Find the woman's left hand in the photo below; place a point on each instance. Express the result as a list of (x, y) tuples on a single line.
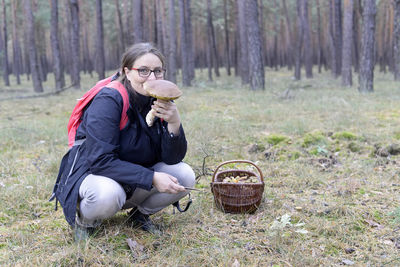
[(167, 111)]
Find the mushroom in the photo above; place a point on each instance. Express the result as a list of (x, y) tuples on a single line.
[(160, 89)]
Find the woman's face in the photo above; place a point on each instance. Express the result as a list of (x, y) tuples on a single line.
[(140, 69)]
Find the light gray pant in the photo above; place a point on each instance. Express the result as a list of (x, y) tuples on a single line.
[(102, 197)]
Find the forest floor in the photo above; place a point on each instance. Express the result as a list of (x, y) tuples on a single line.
[(328, 155)]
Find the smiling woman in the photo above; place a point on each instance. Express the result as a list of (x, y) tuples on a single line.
[(138, 167)]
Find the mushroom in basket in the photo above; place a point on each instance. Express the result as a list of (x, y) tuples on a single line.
[(160, 89)]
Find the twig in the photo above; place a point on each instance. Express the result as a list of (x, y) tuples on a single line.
[(36, 95)]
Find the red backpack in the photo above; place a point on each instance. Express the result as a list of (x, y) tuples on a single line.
[(75, 119)]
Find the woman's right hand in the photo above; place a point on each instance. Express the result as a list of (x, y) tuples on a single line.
[(166, 183)]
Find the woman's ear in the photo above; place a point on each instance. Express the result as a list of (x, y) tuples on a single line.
[(126, 70)]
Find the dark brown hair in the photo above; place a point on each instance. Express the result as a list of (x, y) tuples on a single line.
[(136, 51)]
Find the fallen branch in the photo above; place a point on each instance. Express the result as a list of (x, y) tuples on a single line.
[(36, 95)]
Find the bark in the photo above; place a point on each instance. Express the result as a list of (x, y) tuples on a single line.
[(257, 76), (30, 32), (100, 60), (396, 39), (356, 39), (6, 68), (184, 45), (227, 48), (208, 54), (307, 40), (55, 47), (165, 31), (212, 41), (243, 43), (159, 26), (75, 54), (290, 36), (17, 57), (189, 38), (275, 57), (319, 40), (121, 36), (347, 43), (172, 43), (137, 21), (338, 35), (299, 42), (332, 42), (366, 77)]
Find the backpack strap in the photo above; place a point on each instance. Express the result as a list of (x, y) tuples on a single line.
[(125, 99), (75, 119)]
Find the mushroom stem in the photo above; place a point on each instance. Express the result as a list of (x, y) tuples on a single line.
[(150, 117)]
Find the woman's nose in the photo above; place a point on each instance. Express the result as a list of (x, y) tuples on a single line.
[(152, 76)]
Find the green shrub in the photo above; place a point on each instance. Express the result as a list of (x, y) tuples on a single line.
[(275, 139), (313, 138), (344, 135)]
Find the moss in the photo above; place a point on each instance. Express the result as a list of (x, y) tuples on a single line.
[(344, 136), (295, 155), (313, 138), (354, 147), (397, 135), (275, 139)]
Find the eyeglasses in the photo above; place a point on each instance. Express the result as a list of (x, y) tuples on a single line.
[(145, 72)]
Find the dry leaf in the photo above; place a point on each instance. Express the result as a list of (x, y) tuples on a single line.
[(235, 263), (374, 224), (135, 247)]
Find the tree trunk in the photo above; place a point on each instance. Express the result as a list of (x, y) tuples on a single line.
[(121, 40), (159, 26), (366, 77), (338, 35), (17, 58), (213, 43), (319, 40), (172, 43), (100, 60), (209, 52), (290, 36), (257, 76), (227, 49), (184, 45), (137, 21), (356, 39), (347, 43), (75, 54), (308, 62), (332, 42), (299, 42), (396, 39), (55, 47), (189, 38), (244, 59), (30, 32), (6, 68)]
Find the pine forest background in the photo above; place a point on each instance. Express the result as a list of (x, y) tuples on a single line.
[(71, 37)]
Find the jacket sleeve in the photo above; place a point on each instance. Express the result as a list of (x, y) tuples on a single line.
[(102, 142), (173, 148)]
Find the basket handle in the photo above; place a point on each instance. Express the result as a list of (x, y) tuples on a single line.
[(237, 161)]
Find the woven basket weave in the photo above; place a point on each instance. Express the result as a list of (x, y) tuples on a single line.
[(237, 197)]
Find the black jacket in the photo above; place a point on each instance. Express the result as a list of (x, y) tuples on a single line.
[(122, 155)]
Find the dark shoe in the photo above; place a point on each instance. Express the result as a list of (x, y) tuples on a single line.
[(82, 234), (143, 221)]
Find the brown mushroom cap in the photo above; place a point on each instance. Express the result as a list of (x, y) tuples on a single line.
[(162, 89)]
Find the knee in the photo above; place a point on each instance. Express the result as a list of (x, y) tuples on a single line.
[(104, 200), (186, 175)]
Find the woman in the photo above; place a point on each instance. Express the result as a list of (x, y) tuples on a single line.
[(138, 167)]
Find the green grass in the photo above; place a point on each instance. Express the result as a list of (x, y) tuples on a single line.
[(320, 170)]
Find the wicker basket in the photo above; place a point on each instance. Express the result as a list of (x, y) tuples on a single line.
[(237, 197)]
